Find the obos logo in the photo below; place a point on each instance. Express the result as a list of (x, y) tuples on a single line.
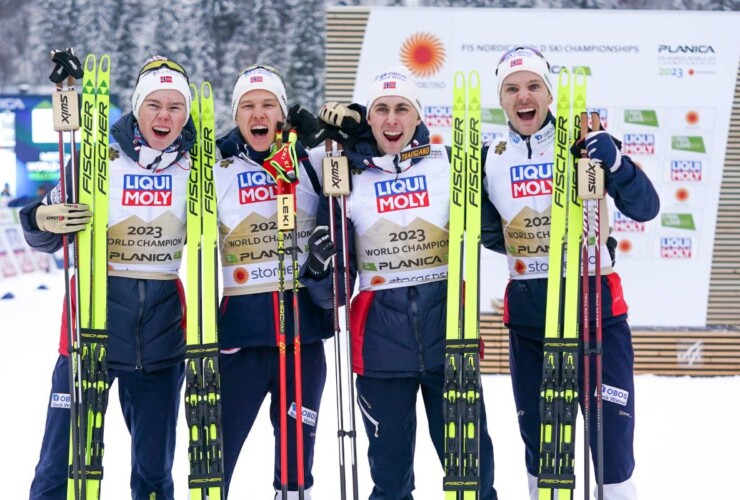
[(624, 224), (147, 190), (255, 187), (423, 54), (688, 171), (639, 144), (438, 116), (531, 180), (401, 194), (675, 248)]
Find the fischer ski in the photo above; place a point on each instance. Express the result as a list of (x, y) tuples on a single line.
[(462, 351), (559, 392), (202, 386), (89, 354)]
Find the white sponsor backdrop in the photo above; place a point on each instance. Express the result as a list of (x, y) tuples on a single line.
[(16, 257), (663, 81)]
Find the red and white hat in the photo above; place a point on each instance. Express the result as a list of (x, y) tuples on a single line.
[(395, 81), (523, 59)]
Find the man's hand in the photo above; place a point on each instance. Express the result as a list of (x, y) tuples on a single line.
[(63, 218), (339, 115), (320, 251), (602, 148)]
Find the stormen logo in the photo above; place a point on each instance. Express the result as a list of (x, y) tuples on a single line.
[(687, 171), (401, 194), (675, 248), (639, 144), (624, 224), (255, 187), (531, 180), (147, 190)]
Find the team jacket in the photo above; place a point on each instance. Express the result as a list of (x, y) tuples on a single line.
[(398, 238), (247, 217), (146, 234), (518, 180)]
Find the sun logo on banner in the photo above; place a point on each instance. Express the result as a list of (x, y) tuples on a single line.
[(423, 54)]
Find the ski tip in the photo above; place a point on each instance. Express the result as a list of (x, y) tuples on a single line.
[(205, 90), (90, 61), (459, 80)]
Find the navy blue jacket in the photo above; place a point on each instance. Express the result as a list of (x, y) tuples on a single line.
[(145, 317), (404, 327), (525, 300), (251, 320)]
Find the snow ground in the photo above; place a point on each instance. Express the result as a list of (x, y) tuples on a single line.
[(687, 446)]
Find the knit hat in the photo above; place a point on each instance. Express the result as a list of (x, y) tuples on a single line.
[(395, 81), (259, 77), (159, 73), (523, 59)]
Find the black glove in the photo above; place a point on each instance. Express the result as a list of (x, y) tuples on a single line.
[(611, 245), (66, 64), (320, 251), (312, 131)]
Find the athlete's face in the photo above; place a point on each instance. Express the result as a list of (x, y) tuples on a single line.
[(525, 98), (257, 117), (393, 121), (162, 116)]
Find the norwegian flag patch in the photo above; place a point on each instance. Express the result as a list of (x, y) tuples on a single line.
[(255, 79), (389, 85), (516, 62), (165, 79)]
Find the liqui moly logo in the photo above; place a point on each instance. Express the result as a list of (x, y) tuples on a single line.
[(401, 194), (531, 180), (675, 248), (147, 190), (687, 171), (624, 224), (255, 187), (639, 144)]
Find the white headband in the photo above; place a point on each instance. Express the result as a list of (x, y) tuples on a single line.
[(162, 78), (395, 81), (523, 59), (259, 78)]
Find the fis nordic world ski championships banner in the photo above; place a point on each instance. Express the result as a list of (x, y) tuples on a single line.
[(662, 81)]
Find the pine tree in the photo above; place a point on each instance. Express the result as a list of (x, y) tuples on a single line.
[(305, 70)]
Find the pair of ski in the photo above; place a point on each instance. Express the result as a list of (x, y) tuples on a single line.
[(202, 379), (462, 359), (87, 335), (571, 232)]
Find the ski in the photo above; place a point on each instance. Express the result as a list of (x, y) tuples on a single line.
[(202, 387), (462, 359), (90, 353), (559, 392)]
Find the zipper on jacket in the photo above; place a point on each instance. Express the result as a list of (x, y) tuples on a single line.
[(142, 298), (529, 147), (413, 295), (371, 419)]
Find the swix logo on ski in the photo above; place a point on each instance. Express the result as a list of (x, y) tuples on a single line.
[(639, 144), (401, 194), (147, 190), (624, 224), (531, 180), (255, 187), (687, 171), (675, 248)]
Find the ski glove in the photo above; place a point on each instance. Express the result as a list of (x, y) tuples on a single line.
[(339, 115), (320, 251), (602, 148), (282, 164), (313, 131), (63, 218)]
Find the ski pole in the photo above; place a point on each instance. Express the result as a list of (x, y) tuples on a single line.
[(337, 187)]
